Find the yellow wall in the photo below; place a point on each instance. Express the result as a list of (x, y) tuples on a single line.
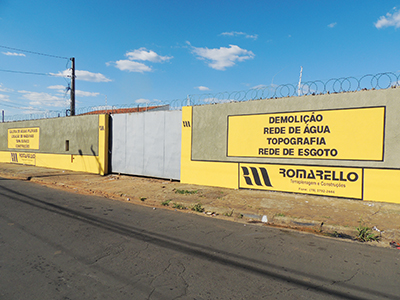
[(382, 185), (81, 163), (203, 173), (364, 183)]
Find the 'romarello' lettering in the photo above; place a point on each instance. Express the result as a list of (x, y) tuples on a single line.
[(319, 174)]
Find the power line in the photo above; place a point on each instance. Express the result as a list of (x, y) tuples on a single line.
[(32, 52), (21, 72), (72, 88), (34, 73), (21, 106), (12, 103), (12, 106)]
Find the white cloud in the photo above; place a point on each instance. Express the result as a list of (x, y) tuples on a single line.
[(232, 33), (259, 87), (144, 55), (132, 66), (252, 36), (89, 76), (389, 20), (13, 54), (6, 90), (221, 58), (142, 101), (32, 110), (63, 89), (216, 100), (57, 87), (147, 101), (332, 25), (4, 98), (202, 88), (237, 33), (83, 75), (86, 94), (43, 99)]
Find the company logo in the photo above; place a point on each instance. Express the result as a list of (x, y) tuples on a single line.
[(14, 157), (253, 175)]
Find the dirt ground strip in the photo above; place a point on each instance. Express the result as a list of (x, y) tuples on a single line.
[(327, 216)]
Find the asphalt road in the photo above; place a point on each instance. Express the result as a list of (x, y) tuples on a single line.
[(59, 245)]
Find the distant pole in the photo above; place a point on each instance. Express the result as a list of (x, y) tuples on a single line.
[(106, 108), (301, 74), (73, 86), (2, 115)]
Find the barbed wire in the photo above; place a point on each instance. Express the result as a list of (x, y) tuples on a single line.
[(318, 87), (35, 116)]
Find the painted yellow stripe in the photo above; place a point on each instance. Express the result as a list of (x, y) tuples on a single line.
[(78, 163), (103, 144)]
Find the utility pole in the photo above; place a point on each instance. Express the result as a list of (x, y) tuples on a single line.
[(73, 86), (299, 87)]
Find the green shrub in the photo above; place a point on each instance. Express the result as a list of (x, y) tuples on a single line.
[(198, 208)]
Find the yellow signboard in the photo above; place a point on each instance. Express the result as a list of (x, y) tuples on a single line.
[(23, 158), (24, 138), (326, 181), (343, 134)]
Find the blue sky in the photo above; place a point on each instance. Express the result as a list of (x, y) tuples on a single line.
[(131, 52)]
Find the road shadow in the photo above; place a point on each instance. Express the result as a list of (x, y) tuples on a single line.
[(240, 262)]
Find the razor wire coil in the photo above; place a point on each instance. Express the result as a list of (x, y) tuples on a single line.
[(317, 87)]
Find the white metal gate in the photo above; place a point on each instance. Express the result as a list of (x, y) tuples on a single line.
[(147, 144)]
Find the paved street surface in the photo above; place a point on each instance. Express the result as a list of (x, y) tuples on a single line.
[(340, 217), (60, 245)]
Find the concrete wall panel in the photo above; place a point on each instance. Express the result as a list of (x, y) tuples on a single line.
[(210, 125), (81, 132)]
